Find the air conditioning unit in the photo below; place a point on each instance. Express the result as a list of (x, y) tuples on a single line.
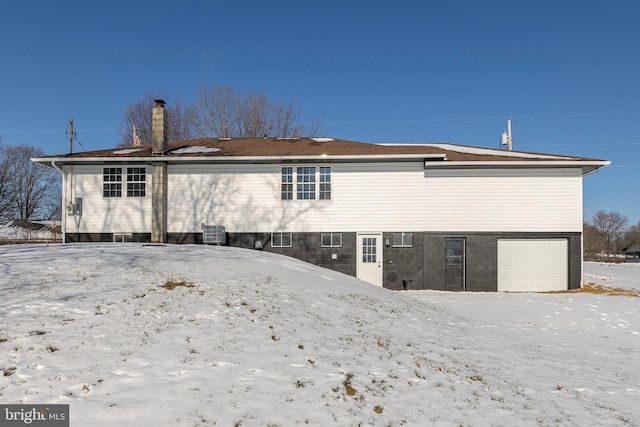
[(214, 235)]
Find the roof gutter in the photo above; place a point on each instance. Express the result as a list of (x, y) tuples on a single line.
[(431, 158), (587, 166)]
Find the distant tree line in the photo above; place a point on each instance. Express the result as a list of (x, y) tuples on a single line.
[(27, 190), (218, 112), (608, 233)]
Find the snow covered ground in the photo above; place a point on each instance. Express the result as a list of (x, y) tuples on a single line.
[(260, 339), (626, 276)]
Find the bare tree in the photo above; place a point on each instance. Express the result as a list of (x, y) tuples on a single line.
[(7, 195), (632, 235), (225, 113), (591, 240), (219, 112), (611, 227), (138, 115), (35, 186)]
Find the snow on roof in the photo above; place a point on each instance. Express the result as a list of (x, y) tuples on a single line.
[(128, 151), (195, 149), (322, 139), (495, 152)]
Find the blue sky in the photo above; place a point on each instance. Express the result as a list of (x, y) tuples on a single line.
[(568, 72)]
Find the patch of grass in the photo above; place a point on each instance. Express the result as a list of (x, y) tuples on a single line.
[(52, 349), (378, 409), (37, 332), (593, 288), (171, 284), (9, 371), (347, 385)]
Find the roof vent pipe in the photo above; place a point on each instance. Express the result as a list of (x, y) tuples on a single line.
[(159, 125)]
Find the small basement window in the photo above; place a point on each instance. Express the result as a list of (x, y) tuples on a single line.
[(402, 240), (122, 237), (280, 240), (331, 240)]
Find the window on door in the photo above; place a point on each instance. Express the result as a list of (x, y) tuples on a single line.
[(369, 249), (454, 251)]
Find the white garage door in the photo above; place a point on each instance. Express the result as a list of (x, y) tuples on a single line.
[(533, 265)]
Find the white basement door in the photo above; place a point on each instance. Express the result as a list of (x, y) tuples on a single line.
[(533, 265)]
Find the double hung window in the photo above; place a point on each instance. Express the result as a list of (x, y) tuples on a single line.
[(136, 182), (309, 182), (112, 182)]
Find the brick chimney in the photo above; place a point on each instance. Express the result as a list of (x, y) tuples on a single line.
[(159, 126)]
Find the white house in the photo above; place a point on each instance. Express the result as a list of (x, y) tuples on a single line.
[(436, 216)]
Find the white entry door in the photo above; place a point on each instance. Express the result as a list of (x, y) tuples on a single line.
[(369, 267)]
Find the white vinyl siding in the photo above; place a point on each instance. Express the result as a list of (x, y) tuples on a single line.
[(391, 197), (103, 214)]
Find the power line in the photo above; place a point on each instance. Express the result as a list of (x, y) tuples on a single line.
[(55, 131), (580, 144), (452, 119), (425, 120)]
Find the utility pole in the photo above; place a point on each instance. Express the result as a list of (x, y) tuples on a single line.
[(70, 135), (506, 140)]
